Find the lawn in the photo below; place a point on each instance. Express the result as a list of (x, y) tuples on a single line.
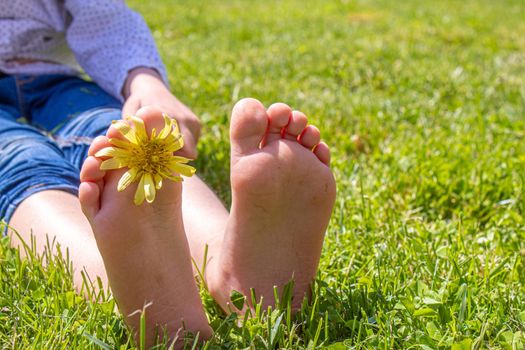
[(423, 105)]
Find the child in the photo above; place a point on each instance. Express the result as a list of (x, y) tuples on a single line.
[(282, 188)]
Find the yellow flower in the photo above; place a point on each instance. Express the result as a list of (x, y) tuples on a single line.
[(149, 159)]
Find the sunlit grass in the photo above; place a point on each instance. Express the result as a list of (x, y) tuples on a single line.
[(423, 105)]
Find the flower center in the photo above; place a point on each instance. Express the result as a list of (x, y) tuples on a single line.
[(150, 157)]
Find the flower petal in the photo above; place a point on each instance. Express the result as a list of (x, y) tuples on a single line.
[(174, 143), (140, 129), (180, 159), (182, 169), (112, 152), (175, 131), (166, 130), (121, 143), (158, 181), (139, 193), (174, 178), (112, 163), (126, 131), (127, 179), (149, 188), (105, 152)]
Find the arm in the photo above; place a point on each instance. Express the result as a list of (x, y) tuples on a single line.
[(144, 87), (116, 49)]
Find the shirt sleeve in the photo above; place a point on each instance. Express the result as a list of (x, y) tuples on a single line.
[(108, 40)]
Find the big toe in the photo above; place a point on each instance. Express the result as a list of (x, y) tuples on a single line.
[(248, 126), (151, 116)]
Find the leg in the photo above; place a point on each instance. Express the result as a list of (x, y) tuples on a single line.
[(144, 248), (282, 197), (56, 104), (59, 213), (205, 220), (37, 195)]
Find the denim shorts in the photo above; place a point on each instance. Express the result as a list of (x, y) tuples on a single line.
[(47, 123)]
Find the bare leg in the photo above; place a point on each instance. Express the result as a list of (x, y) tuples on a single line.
[(58, 214), (204, 218)]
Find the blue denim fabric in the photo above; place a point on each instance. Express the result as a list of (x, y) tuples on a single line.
[(47, 123)]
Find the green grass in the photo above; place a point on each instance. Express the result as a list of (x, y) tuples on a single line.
[(423, 104)]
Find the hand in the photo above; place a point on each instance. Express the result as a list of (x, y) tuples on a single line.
[(144, 87)]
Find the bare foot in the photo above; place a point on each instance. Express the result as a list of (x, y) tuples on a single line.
[(144, 247), (282, 197)]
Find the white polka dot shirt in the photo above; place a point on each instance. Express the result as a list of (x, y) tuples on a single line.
[(103, 37)]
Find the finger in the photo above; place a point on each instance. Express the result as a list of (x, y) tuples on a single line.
[(190, 148), (190, 122), (195, 128)]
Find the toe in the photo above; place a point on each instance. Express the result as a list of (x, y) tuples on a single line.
[(322, 152), (248, 125), (89, 197), (279, 115), (296, 125), (91, 176), (98, 143), (310, 137), (113, 133), (90, 171), (152, 117)]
